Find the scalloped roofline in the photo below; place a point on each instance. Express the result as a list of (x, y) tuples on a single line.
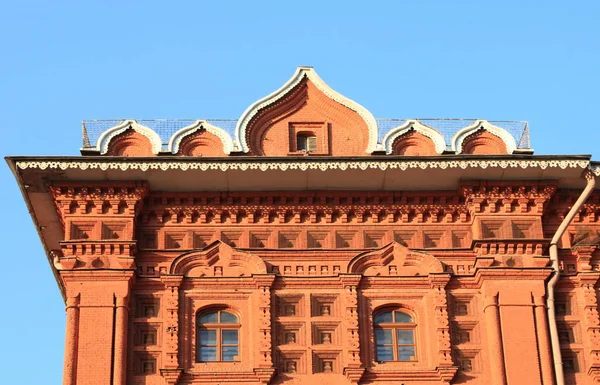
[(438, 139), (457, 140), (310, 74), (105, 138), (177, 137)]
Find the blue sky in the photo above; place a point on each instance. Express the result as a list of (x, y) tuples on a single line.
[(63, 62)]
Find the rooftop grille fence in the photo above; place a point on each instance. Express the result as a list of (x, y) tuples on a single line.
[(165, 128)]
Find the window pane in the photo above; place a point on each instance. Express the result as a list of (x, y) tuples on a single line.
[(385, 353), (208, 353), (383, 337), (383, 317), (229, 337), (208, 318), (228, 318), (301, 142), (229, 353), (208, 337), (406, 337), (406, 353), (403, 318)]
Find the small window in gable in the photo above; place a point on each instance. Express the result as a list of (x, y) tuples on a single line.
[(306, 142)]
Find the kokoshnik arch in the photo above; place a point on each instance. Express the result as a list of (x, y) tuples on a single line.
[(308, 242)]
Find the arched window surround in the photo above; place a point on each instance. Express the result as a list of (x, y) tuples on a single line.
[(218, 335), (395, 334)]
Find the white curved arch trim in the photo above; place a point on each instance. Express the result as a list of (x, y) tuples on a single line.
[(177, 137), (412, 124), (108, 135), (461, 135), (301, 73)]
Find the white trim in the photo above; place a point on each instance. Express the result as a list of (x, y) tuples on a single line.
[(105, 138), (301, 73), (412, 124), (172, 164), (461, 135), (595, 169), (178, 136)]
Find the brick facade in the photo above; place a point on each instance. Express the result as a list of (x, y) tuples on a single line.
[(173, 275)]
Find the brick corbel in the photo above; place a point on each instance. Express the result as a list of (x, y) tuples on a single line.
[(171, 376), (584, 256)]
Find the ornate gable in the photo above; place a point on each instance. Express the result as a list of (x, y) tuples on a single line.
[(306, 116)]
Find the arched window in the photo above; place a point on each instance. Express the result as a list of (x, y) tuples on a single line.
[(394, 336), (217, 336)]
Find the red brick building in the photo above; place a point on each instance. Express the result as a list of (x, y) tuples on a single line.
[(308, 242)]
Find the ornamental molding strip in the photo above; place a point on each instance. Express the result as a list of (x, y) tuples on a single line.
[(171, 164), (595, 169), (299, 75), (412, 124), (108, 135), (458, 138), (177, 137)]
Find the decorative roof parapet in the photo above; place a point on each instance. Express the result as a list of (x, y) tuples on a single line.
[(177, 137), (461, 135), (111, 133), (412, 124)]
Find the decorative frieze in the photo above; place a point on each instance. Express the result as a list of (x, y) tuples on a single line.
[(507, 197)]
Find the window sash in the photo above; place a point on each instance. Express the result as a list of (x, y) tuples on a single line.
[(396, 349), (217, 351)]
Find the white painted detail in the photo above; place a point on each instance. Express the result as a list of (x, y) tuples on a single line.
[(301, 73), (412, 124), (173, 164), (178, 136), (461, 135), (108, 135)]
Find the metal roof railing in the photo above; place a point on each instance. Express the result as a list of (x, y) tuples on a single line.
[(165, 128)]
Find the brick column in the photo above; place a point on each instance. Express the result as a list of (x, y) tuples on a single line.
[(120, 360), (494, 336), (541, 324), (70, 366)]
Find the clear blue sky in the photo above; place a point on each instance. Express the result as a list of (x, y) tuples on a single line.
[(63, 62)]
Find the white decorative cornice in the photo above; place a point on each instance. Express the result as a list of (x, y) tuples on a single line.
[(461, 135), (108, 135), (173, 164), (301, 73), (412, 124), (178, 136), (595, 169)]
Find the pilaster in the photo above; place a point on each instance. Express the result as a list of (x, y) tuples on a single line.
[(353, 365)]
